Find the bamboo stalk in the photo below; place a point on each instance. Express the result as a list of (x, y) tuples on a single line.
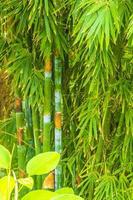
[(29, 131), (47, 105), (28, 118), (36, 133), (47, 124), (58, 113), (21, 149)]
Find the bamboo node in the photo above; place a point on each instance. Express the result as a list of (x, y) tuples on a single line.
[(58, 119), (48, 66), (78, 180), (18, 104), (21, 173)]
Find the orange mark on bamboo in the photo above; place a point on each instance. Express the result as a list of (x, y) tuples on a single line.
[(49, 181), (22, 173), (18, 104), (48, 66), (20, 135), (57, 120), (78, 180)]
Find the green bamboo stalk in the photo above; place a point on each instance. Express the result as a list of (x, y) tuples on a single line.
[(47, 105), (28, 119), (37, 144), (58, 113), (29, 130), (21, 149), (36, 131)]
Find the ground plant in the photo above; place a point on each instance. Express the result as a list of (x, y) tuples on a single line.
[(41, 164)]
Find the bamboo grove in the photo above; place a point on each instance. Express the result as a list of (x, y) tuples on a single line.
[(70, 70)]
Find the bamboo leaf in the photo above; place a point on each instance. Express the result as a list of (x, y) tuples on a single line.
[(47, 28), (47, 7)]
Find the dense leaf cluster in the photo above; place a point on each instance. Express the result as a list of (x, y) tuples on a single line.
[(95, 40)]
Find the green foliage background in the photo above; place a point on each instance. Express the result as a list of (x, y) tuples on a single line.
[(95, 41)]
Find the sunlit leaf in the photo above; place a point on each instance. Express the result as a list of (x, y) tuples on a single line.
[(5, 158), (40, 195), (67, 197), (43, 163), (7, 184), (65, 190), (28, 182)]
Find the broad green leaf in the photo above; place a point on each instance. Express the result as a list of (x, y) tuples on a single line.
[(43, 163), (39, 195), (5, 158), (65, 190), (27, 182), (67, 197), (7, 184)]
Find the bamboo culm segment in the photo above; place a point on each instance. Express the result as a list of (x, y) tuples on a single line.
[(29, 130), (21, 149), (47, 105), (58, 113), (47, 124), (28, 118), (37, 144), (36, 130)]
